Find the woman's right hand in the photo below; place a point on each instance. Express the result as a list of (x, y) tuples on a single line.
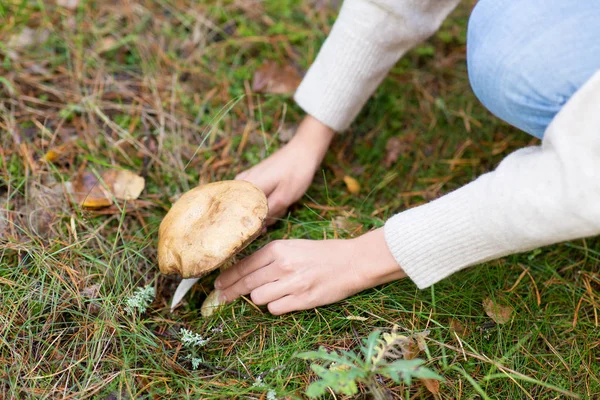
[(286, 175)]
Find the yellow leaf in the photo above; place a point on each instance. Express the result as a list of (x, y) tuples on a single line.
[(88, 191), (61, 152), (352, 184)]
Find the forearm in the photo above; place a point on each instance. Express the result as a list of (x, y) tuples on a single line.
[(313, 137), (537, 196), (366, 41)]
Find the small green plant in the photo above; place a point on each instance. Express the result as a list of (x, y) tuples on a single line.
[(382, 354), (141, 299), (192, 342)]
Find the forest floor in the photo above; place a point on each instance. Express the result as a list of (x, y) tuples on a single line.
[(167, 89)]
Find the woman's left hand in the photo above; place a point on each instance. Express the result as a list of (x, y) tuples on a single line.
[(289, 275)]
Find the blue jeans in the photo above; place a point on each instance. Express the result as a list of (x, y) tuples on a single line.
[(526, 58)]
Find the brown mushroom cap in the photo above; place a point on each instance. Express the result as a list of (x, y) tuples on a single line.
[(209, 225)]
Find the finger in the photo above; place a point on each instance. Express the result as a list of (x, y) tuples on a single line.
[(287, 304), (278, 205), (264, 181), (248, 265), (271, 291), (242, 175), (249, 282)]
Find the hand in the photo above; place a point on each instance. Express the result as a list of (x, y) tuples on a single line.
[(289, 275), (285, 175)]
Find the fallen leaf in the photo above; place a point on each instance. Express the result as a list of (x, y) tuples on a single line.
[(45, 201), (352, 184), (124, 185), (70, 4), (410, 348), (91, 291), (457, 327), (394, 148), (343, 223), (275, 79), (433, 385), (89, 192), (420, 339), (130, 206), (60, 153), (500, 314)]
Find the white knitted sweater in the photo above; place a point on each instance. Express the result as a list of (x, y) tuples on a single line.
[(536, 196)]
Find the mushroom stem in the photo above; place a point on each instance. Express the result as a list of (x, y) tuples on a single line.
[(184, 286), (211, 304)]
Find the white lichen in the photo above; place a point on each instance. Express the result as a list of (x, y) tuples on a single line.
[(190, 339), (141, 299)]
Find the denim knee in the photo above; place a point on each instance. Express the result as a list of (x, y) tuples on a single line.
[(526, 59)]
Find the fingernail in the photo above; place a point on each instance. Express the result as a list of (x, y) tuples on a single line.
[(222, 298), (218, 284)]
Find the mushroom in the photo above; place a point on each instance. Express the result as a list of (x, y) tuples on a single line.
[(205, 229)]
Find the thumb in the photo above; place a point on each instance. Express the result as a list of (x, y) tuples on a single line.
[(278, 204), (264, 180)]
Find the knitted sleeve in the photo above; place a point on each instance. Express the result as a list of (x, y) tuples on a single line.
[(537, 196), (367, 39)]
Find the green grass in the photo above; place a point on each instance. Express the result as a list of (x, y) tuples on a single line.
[(129, 85)]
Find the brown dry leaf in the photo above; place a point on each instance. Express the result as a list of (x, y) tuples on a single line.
[(130, 206), (89, 191), (352, 184), (45, 202), (276, 79), (457, 327), (500, 314), (93, 193), (91, 291), (124, 185), (342, 223), (433, 385), (59, 153), (394, 148), (410, 348)]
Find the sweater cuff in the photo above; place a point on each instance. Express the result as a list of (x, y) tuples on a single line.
[(365, 42), (435, 240), (336, 96)]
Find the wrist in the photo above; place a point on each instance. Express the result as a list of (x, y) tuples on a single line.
[(374, 260), (314, 138)]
